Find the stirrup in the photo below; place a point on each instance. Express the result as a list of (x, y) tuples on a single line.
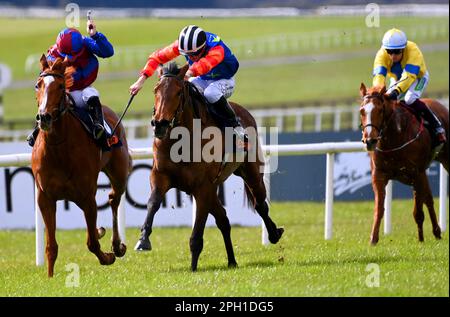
[(435, 151), (242, 138), (99, 131)]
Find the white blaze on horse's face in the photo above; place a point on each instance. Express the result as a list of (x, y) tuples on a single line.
[(47, 81), (368, 108)]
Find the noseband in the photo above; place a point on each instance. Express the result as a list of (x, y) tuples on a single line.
[(62, 106)]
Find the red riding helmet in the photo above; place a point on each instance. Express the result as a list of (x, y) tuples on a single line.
[(70, 43)]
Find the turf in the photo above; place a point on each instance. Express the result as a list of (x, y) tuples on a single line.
[(326, 81), (302, 264)]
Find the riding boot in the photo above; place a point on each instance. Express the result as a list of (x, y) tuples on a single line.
[(227, 111), (31, 139), (95, 109), (435, 124)]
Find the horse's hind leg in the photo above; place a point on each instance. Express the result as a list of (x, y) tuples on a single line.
[(118, 183), (224, 226), (48, 211), (422, 194), (89, 208), (255, 186)]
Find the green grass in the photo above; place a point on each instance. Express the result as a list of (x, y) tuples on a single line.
[(326, 81), (29, 36), (302, 264), (255, 87)]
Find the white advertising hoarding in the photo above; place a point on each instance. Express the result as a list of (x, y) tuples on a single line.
[(17, 198)]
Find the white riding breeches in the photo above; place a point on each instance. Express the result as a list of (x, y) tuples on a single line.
[(415, 91), (82, 96), (214, 89)]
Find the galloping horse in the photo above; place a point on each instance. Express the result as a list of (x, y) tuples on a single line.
[(177, 104), (66, 163), (400, 149)]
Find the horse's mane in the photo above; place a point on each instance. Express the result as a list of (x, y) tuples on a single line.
[(68, 76), (171, 69)]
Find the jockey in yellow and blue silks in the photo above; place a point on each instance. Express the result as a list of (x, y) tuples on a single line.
[(212, 67), (403, 62)]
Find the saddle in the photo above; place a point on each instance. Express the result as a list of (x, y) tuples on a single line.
[(88, 124)]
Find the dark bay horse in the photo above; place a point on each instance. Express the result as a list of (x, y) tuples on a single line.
[(400, 149), (66, 163), (177, 104)]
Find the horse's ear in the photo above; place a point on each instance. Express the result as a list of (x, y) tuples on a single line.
[(362, 90), (183, 71), (44, 62), (59, 65)]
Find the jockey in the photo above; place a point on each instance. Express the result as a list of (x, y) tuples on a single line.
[(212, 69), (81, 52), (403, 61)]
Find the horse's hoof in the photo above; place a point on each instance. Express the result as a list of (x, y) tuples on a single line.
[(232, 265), (437, 233), (120, 250), (109, 258), (373, 242), (143, 245), (101, 232), (277, 237)]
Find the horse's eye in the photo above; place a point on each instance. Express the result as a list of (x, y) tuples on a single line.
[(36, 87)]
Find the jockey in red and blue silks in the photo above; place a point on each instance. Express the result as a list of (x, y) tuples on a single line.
[(81, 51), (212, 69)]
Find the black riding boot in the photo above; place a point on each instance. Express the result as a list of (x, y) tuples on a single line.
[(435, 125), (95, 109), (31, 139), (227, 111)]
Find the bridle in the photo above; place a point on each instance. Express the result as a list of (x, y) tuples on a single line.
[(183, 98), (383, 123), (62, 109)]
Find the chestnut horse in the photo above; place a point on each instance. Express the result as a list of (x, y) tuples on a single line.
[(400, 149), (177, 104), (66, 163)]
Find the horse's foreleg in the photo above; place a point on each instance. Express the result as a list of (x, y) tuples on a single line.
[(224, 226), (196, 240), (422, 193), (153, 205), (89, 208), (48, 211), (379, 183)]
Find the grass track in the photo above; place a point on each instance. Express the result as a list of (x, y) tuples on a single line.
[(302, 264)]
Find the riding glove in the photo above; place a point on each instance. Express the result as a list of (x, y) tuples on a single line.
[(393, 95)]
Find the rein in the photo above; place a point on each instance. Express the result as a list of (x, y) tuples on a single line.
[(385, 124)]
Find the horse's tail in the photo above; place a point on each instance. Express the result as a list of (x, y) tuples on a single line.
[(251, 201)]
